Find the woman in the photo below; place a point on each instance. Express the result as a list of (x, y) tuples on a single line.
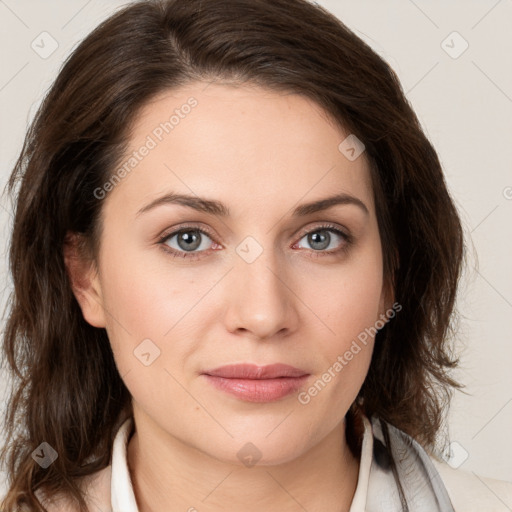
[(235, 261)]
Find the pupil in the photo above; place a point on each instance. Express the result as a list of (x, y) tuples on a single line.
[(191, 239), (319, 238)]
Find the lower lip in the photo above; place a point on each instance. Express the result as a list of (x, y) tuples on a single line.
[(258, 390)]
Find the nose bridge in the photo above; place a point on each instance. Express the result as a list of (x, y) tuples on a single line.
[(260, 300)]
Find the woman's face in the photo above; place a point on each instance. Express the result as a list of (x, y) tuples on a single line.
[(253, 287)]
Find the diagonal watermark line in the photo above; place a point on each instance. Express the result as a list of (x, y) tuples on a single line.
[(302, 301), (200, 404), (125, 374), (281, 422), (491, 490), (6, 210), (14, 76), (216, 487), (112, 316), (500, 294), (492, 81), (292, 497), (210, 82), (198, 301), (3, 3), (424, 13), (492, 211), (76, 14), (492, 418), (422, 77), (485, 14)]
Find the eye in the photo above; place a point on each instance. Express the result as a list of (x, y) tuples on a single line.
[(186, 242), (321, 238)]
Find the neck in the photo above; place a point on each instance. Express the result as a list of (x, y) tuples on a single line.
[(168, 474)]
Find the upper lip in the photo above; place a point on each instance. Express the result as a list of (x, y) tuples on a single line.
[(253, 371)]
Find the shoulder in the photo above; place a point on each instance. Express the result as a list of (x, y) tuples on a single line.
[(97, 494), (470, 492)]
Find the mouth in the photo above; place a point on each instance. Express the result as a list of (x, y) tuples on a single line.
[(253, 383)]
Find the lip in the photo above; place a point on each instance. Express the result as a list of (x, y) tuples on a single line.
[(254, 383), (253, 371)]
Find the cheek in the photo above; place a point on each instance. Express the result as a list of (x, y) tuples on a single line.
[(140, 289), (343, 355), (136, 301), (150, 309), (132, 297), (147, 298), (349, 306), (352, 296)]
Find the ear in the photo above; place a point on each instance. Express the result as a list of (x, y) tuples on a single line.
[(84, 279)]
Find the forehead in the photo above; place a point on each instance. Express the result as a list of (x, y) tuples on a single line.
[(248, 146)]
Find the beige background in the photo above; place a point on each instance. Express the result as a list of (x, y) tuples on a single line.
[(464, 103)]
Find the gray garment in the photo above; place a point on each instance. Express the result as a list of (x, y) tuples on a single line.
[(421, 485)]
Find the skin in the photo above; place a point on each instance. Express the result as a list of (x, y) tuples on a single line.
[(262, 153)]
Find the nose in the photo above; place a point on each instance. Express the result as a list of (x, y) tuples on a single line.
[(260, 298)]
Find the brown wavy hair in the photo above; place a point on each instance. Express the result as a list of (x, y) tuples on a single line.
[(66, 389)]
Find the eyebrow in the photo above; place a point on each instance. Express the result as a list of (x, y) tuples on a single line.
[(219, 209)]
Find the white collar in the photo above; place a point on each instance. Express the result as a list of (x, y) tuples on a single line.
[(123, 498)]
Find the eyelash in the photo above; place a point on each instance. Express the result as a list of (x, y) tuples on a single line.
[(348, 241)]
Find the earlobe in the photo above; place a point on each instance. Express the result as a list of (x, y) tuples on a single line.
[(84, 280)]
